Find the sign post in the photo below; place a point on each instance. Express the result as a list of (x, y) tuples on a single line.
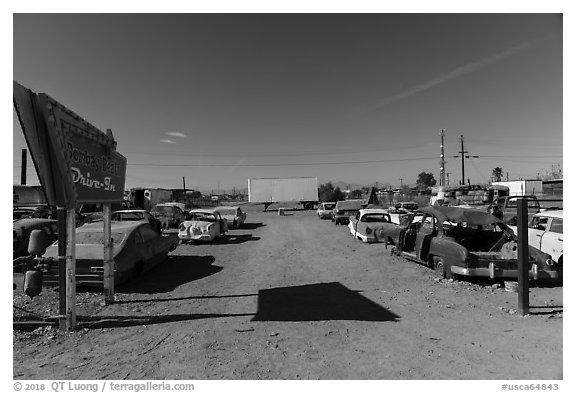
[(523, 254), (76, 163), (108, 259)]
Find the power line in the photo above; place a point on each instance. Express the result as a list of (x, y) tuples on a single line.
[(286, 164)]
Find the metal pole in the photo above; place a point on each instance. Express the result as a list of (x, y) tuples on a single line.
[(462, 152), (71, 269), (23, 169), (62, 268), (523, 254), (442, 161), (108, 256)]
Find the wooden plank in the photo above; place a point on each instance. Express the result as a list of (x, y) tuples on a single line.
[(71, 269), (108, 256)]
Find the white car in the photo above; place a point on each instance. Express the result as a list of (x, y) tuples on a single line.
[(202, 225), (325, 210), (545, 232), (234, 215)]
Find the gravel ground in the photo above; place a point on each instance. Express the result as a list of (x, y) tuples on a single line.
[(294, 297)]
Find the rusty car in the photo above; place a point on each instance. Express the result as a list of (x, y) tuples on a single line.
[(465, 242), (202, 225), (137, 247)]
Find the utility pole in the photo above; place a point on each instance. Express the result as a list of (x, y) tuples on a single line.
[(442, 161), (462, 154), (184, 187), (23, 169), (401, 183)]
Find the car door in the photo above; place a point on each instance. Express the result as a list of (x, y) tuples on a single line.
[(353, 223), (536, 229), (153, 244), (428, 229), (552, 239)]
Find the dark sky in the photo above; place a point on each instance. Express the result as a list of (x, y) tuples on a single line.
[(225, 97)]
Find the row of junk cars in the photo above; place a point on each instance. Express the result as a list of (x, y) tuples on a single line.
[(141, 239), (456, 240)]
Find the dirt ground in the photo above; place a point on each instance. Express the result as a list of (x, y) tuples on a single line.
[(295, 297)]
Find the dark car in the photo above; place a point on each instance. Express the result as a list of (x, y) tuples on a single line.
[(138, 247), (168, 214), (344, 209), (21, 233), (466, 242)]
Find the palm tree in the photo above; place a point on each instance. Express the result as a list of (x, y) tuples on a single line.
[(497, 173)]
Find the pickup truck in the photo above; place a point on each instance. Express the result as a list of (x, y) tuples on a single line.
[(468, 242), (507, 208)]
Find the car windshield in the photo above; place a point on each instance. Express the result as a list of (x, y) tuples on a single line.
[(375, 217), (162, 209), (202, 217), (127, 216), (227, 212), (98, 237), (329, 206)]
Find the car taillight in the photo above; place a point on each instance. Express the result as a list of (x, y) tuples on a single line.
[(549, 262)]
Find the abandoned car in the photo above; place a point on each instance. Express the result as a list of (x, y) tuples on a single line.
[(138, 247), (234, 215), (202, 225), (467, 242), (22, 228), (325, 210), (168, 214), (365, 223), (545, 232), (344, 209)]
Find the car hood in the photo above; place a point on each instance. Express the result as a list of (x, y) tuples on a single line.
[(83, 251), (197, 224)]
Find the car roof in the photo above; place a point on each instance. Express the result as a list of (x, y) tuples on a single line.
[(209, 211), (116, 226), (33, 221), (130, 211), (366, 211), (551, 213)]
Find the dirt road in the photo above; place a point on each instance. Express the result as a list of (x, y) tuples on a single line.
[(294, 297)]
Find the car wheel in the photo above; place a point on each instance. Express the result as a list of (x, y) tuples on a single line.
[(440, 268)]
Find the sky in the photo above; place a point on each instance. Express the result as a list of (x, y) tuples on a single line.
[(354, 97)]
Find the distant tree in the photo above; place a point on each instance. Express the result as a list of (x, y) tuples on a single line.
[(497, 173), (338, 195), (425, 179), (327, 193), (555, 172), (357, 193)]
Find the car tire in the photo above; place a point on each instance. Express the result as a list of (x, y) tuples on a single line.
[(440, 268)]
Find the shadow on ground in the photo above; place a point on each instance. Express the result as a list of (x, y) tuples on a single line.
[(101, 322), (318, 302), (174, 271), (252, 225), (237, 239)]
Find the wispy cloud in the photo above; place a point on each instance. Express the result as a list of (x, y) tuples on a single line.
[(177, 134), (457, 72), (167, 141)]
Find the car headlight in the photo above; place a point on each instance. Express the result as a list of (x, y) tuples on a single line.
[(549, 262)]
